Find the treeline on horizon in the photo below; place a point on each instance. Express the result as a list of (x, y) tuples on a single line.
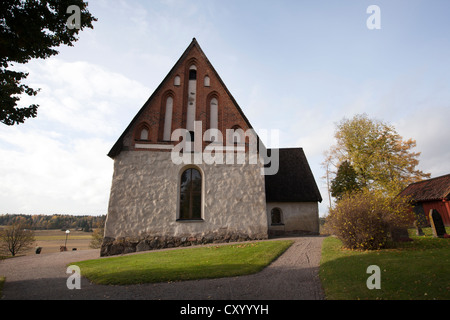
[(55, 221)]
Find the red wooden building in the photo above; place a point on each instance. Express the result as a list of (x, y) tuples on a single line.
[(431, 194)]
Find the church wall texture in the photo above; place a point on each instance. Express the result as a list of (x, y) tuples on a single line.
[(144, 198), (298, 218)]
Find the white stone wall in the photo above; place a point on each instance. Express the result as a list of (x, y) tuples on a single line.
[(145, 191), (297, 217)]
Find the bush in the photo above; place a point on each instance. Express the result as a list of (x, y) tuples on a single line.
[(363, 220), (97, 238)]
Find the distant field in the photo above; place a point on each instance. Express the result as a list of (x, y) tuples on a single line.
[(51, 240)]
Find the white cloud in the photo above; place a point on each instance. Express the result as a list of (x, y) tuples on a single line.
[(57, 163)]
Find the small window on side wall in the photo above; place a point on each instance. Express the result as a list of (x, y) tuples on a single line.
[(276, 216)]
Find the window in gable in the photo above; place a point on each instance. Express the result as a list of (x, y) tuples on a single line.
[(142, 132), (168, 119), (177, 81), (206, 81), (192, 74)]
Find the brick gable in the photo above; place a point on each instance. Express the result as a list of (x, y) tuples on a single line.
[(152, 116)]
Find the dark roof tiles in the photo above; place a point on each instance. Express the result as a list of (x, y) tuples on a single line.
[(294, 181), (431, 189)]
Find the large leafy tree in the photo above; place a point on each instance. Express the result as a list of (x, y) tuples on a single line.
[(380, 157), (32, 29)]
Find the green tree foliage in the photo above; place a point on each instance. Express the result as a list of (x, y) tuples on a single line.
[(56, 221), (346, 181), (380, 157), (31, 29)]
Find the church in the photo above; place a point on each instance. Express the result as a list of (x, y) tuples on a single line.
[(189, 169)]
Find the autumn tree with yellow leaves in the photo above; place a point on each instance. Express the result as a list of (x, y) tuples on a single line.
[(373, 164)]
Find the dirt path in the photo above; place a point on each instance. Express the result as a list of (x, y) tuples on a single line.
[(293, 276)]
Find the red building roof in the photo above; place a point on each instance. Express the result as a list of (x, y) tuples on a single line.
[(432, 189)]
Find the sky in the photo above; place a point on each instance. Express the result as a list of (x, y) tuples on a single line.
[(299, 67)]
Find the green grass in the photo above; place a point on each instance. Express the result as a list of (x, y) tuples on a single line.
[(183, 264), (417, 270), (2, 282)]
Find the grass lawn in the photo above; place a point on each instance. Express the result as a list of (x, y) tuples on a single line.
[(183, 264), (2, 282), (418, 270)]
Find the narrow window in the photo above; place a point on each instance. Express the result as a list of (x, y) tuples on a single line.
[(276, 216), (144, 134), (192, 74), (191, 195), (206, 81), (214, 114), (177, 81), (168, 119)]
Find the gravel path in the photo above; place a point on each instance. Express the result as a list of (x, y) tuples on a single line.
[(293, 276)]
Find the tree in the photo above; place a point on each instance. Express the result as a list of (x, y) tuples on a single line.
[(346, 181), (380, 157), (97, 238), (32, 29), (16, 238)]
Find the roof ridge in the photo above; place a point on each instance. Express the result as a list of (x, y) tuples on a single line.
[(118, 144), (429, 179)]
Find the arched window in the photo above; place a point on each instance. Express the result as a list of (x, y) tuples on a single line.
[(192, 73), (177, 81), (142, 132), (168, 119), (191, 98), (191, 195), (276, 216), (214, 114), (206, 81)]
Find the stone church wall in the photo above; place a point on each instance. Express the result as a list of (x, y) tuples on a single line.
[(297, 218), (143, 207)]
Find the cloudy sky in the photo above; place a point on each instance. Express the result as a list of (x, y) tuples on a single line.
[(296, 66)]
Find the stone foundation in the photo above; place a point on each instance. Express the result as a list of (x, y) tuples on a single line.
[(111, 246)]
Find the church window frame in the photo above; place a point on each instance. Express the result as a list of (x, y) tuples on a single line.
[(168, 117), (177, 81), (276, 217), (142, 133), (190, 194)]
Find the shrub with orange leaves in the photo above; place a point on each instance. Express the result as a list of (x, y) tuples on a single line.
[(363, 220)]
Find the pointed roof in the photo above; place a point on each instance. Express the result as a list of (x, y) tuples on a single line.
[(432, 189), (294, 181), (117, 147)]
